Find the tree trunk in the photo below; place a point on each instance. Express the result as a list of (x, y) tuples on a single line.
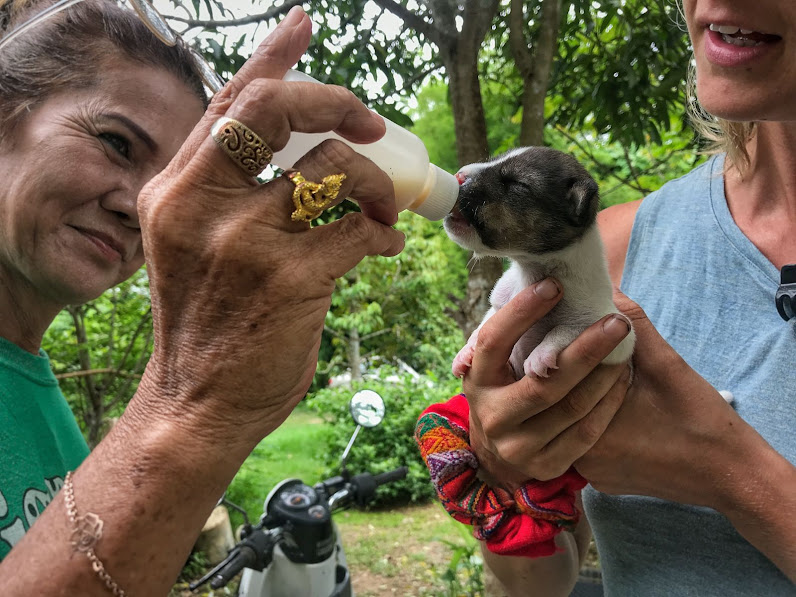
[(459, 54), (354, 354), (534, 61)]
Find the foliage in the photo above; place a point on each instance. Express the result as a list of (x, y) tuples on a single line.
[(623, 172), (397, 307), (389, 445), (619, 68), (99, 350), (464, 575)]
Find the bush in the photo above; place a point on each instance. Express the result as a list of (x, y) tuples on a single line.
[(389, 445)]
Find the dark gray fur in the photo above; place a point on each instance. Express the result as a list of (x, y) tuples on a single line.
[(534, 201)]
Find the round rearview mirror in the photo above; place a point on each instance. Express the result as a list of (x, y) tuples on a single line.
[(367, 408)]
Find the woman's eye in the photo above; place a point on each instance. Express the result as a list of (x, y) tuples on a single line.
[(119, 143)]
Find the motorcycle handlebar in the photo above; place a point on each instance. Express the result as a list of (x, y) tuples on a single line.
[(365, 484), (245, 558), (390, 476)]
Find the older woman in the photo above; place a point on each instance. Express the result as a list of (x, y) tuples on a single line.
[(688, 496), (94, 106)]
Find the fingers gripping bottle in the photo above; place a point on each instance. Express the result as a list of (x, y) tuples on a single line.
[(420, 186)]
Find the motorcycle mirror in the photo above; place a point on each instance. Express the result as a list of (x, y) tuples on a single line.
[(367, 408), (225, 502)]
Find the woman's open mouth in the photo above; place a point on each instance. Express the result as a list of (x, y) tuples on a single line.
[(732, 45)]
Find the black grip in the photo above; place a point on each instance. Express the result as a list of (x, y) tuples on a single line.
[(390, 476), (243, 559)]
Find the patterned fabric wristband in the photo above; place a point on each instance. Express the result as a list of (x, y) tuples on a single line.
[(523, 524)]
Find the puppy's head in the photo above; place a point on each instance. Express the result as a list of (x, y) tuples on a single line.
[(529, 201)]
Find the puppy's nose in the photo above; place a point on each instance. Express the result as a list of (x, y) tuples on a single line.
[(461, 177)]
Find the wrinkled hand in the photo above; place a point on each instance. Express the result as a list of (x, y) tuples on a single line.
[(239, 291), (536, 428), (671, 431)]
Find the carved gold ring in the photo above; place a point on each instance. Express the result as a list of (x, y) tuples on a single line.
[(242, 145)]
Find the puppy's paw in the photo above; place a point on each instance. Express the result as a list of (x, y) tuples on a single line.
[(463, 361), (541, 360)]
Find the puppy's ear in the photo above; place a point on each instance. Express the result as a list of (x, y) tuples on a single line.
[(584, 199)]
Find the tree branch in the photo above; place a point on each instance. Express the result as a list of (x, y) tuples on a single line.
[(326, 328), (84, 373), (247, 20), (520, 48), (374, 334), (477, 20), (416, 22), (606, 169)]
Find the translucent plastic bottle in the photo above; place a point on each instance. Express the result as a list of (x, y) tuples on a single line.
[(420, 186)]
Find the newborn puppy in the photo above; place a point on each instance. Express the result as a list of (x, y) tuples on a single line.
[(537, 207)]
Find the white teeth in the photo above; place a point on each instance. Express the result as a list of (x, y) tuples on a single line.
[(746, 31), (725, 29)]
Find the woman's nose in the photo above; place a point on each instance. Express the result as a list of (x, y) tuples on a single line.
[(124, 204)]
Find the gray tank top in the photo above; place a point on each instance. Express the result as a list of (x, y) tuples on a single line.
[(710, 293)]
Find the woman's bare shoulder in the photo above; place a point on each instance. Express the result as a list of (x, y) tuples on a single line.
[(615, 224)]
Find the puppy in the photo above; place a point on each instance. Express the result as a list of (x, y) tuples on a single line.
[(537, 207)]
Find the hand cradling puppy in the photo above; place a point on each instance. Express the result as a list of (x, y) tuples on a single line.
[(537, 207)]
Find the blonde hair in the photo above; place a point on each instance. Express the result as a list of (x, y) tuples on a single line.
[(723, 136)]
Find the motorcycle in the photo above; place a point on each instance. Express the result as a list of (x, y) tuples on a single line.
[(295, 548)]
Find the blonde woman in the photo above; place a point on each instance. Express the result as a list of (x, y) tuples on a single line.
[(688, 495)]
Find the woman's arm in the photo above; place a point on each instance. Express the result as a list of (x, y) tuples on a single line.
[(615, 224), (153, 483), (239, 295), (536, 428), (739, 475), (553, 576), (689, 446)]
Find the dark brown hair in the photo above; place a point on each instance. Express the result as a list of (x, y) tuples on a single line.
[(67, 50)]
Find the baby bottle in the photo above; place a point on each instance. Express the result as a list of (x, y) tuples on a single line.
[(420, 186)]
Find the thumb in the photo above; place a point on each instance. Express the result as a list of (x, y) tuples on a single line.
[(649, 343), (349, 240), (631, 310)]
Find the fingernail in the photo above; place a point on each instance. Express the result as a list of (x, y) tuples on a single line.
[(293, 17), (616, 326), (547, 289)]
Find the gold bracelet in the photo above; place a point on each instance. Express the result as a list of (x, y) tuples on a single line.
[(86, 533)]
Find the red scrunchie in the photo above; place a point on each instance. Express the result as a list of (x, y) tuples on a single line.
[(524, 524)]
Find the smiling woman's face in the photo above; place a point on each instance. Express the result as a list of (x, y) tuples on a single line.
[(72, 171), (745, 54)]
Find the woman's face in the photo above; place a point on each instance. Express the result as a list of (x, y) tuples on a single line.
[(745, 57), (72, 171)]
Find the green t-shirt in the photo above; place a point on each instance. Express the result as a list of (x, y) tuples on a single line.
[(39, 440)]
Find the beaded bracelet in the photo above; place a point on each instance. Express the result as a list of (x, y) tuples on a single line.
[(86, 533)]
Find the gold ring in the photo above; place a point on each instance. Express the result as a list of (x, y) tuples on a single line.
[(311, 198), (242, 145)]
